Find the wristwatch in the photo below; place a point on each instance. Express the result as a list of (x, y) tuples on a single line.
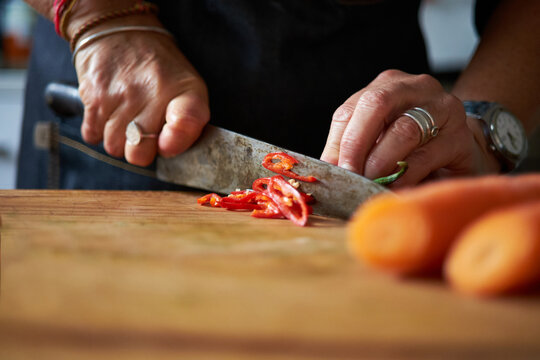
[(503, 131)]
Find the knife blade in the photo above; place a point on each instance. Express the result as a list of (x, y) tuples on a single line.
[(222, 161)]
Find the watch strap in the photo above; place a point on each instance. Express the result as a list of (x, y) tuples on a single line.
[(476, 109)]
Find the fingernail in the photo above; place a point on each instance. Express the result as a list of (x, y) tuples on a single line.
[(328, 157)]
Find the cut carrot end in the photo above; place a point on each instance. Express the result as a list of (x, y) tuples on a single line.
[(497, 254), (390, 233)]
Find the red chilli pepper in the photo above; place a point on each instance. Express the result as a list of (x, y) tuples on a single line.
[(259, 184), (289, 201), (213, 200), (271, 197), (270, 211), (245, 201), (309, 199), (284, 165)]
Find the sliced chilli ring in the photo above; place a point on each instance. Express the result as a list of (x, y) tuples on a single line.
[(289, 200), (212, 199), (284, 166)]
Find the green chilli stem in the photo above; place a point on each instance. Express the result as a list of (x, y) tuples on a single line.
[(386, 180)]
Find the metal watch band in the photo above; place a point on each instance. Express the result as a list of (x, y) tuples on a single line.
[(476, 109)]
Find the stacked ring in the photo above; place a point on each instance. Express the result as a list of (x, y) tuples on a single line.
[(425, 122)]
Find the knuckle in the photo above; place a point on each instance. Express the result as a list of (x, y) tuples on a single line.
[(420, 156), (89, 134), (374, 165), (343, 113), (113, 148), (192, 117), (429, 81), (390, 74), (455, 104), (348, 145), (84, 90), (375, 98), (190, 124), (92, 99), (101, 79), (196, 84), (332, 147), (91, 122), (128, 93), (406, 130), (452, 110)]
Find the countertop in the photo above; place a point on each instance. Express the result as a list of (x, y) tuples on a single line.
[(113, 274)]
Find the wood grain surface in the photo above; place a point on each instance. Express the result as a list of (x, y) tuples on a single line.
[(118, 275)]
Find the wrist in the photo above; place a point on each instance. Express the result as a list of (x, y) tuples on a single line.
[(489, 162), (139, 19), (504, 134), (138, 13)]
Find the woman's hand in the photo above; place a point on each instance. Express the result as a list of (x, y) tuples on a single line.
[(140, 76), (369, 134)]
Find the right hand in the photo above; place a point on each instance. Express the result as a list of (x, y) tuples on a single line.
[(140, 76)]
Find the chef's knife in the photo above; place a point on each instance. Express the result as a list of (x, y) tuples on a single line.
[(223, 161)]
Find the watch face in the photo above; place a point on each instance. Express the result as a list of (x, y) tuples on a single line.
[(510, 136)]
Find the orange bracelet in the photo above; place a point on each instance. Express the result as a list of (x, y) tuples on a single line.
[(139, 8)]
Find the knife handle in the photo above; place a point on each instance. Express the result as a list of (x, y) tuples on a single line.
[(64, 99)]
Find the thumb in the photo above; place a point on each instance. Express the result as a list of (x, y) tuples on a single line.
[(185, 117)]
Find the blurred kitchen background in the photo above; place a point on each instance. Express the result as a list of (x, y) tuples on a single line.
[(447, 24)]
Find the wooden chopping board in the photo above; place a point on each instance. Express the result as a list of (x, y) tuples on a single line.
[(110, 274)]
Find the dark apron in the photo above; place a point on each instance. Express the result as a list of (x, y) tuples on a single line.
[(276, 70)]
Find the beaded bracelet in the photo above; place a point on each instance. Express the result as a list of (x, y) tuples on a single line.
[(139, 8), (90, 39)]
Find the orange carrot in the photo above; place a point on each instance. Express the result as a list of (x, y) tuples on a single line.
[(409, 232), (498, 253)]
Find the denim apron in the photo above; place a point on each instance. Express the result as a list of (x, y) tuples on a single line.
[(276, 70)]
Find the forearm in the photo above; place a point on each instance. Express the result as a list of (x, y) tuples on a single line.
[(506, 65)]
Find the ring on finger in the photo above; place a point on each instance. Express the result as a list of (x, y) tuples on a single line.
[(425, 122), (134, 134)]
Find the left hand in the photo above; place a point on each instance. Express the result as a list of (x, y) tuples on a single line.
[(368, 134)]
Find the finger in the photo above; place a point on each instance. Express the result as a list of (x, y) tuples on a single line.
[(398, 141), (421, 164), (93, 123), (185, 118), (114, 133), (381, 103), (98, 107), (443, 154), (340, 120), (401, 137), (149, 121)]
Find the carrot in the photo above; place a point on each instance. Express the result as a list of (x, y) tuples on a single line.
[(498, 253), (409, 232)]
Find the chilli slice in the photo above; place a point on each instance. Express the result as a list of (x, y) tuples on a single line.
[(284, 165), (289, 200)]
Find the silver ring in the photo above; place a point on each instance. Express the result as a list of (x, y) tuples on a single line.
[(425, 122), (434, 129), (134, 134)]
